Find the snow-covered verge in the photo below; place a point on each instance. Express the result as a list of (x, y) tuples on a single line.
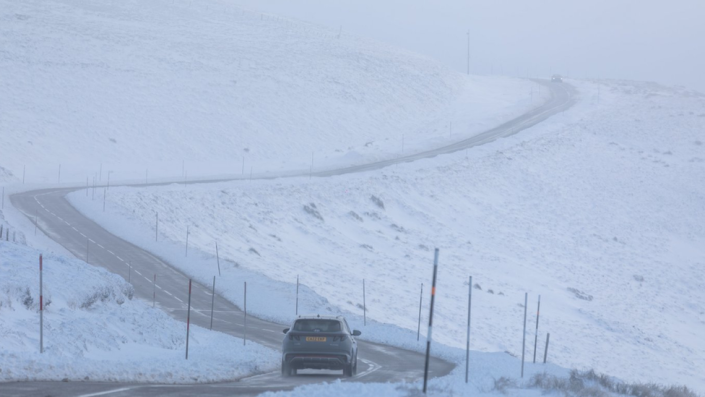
[(551, 382), (177, 89), (95, 330), (599, 210)]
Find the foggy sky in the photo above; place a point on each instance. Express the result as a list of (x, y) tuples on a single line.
[(653, 40)]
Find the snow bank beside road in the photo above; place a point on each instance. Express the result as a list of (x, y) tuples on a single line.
[(599, 210), (94, 329)]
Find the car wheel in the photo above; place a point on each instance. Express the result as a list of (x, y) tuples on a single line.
[(287, 370), (348, 370)]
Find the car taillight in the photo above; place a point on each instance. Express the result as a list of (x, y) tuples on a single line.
[(294, 337), (339, 338)]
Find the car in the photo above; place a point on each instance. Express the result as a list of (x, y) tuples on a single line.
[(557, 78), (319, 342)]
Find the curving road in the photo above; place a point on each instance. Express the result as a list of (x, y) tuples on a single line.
[(88, 241)]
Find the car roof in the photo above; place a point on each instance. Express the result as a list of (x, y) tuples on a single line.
[(318, 317)]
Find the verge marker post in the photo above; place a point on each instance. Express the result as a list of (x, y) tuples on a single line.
[(217, 257), (523, 337), (212, 302), (244, 339), (467, 342), (41, 307), (188, 316), (364, 304), (545, 352), (418, 330), (429, 337), (297, 294), (536, 335)]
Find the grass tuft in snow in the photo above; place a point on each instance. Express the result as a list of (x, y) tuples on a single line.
[(591, 384)]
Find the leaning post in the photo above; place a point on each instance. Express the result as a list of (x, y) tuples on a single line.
[(430, 321)]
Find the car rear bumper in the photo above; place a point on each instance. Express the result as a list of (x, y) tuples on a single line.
[(317, 360)]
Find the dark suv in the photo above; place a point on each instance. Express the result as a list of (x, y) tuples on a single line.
[(319, 342)]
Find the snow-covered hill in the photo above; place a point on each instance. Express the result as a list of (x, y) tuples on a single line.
[(166, 88), (95, 330), (598, 210)]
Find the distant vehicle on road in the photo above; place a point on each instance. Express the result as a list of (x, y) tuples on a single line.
[(557, 78), (319, 342)]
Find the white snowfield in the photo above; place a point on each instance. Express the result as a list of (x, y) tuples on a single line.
[(598, 210), (127, 90), (95, 330), (177, 89)]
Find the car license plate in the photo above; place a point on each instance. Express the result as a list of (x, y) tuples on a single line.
[(315, 339)]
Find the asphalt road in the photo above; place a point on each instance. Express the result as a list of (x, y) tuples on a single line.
[(88, 241)]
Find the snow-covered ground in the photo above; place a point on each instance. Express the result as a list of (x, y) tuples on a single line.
[(177, 89), (599, 210), (161, 89), (95, 330)]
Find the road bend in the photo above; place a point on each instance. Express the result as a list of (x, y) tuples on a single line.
[(88, 241)]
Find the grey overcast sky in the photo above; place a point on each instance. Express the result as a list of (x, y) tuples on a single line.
[(653, 40)]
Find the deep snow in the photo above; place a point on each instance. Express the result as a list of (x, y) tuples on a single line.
[(598, 210), (146, 90), (94, 329)]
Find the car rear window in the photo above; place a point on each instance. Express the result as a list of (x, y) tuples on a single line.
[(315, 325)]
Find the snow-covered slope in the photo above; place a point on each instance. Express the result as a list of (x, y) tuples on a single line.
[(137, 88), (598, 210), (95, 330)]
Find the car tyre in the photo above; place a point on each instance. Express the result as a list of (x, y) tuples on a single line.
[(348, 370), (287, 370)]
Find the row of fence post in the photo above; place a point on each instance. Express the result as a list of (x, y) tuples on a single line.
[(429, 335)]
